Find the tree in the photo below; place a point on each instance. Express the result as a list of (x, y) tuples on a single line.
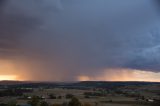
[(86, 96), (34, 101), (87, 104), (12, 103), (44, 103), (56, 105), (59, 97), (64, 104), (74, 102), (69, 96), (52, 96)]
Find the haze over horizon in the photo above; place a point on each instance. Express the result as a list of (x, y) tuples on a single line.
[(80, 40)]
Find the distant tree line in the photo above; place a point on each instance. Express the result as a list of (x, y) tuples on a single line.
[(88, 94), (14, 92), (35, 101)]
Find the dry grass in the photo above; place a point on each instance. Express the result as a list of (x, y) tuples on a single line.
[(117, 99)]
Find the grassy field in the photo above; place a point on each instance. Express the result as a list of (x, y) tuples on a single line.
[(117, 100), (110, 95)]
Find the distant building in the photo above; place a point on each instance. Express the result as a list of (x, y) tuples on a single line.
[(29, 97), (150, 100)]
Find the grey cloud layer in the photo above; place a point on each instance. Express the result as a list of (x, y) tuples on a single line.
[(77, 36)]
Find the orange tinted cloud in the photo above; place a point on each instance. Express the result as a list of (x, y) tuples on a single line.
[(122, 75), (8, 77), (9, 70), (12, 70)]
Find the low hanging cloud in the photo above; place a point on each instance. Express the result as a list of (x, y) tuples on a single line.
[(63, 39)]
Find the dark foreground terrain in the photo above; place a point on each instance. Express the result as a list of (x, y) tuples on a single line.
[(87, 93)]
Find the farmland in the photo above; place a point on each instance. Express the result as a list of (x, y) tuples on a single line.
[(87, 94)]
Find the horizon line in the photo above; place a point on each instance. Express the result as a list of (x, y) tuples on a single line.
[(72, 81)]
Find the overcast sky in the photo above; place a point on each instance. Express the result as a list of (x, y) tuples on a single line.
[(66, 40)]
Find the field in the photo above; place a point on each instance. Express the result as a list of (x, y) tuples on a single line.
[(117, 100), (126, 95)]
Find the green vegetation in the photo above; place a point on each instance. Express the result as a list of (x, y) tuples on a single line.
[(74, 102), (34, 101), (52, 96), (141, 95), (69, 96), (12, 103), (44, 103)]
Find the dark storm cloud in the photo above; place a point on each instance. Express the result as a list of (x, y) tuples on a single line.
[(79, 36), (147, 59), (13, 24), (2, 2)]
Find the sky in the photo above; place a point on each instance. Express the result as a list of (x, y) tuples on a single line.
[(79, 40)]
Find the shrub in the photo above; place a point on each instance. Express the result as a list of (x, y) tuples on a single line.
[(52, 96), (59, 97), (86, 96), (87, 104), (56, 105), (34, 101), (44, 103), (74, 102), (64, 104), (69, 96), (12, 103)]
